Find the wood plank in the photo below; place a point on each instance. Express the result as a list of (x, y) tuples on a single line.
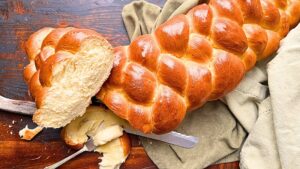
[(20, 18)]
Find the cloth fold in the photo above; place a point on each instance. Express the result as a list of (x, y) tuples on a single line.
[(284, 84), (216, 141), (258, 123)]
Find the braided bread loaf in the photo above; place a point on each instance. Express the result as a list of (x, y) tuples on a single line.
[(192, 59), (67, 67)]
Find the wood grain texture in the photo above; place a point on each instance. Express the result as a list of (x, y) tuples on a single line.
[(20, 18)]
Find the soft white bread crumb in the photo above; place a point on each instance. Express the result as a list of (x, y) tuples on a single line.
[(28, 134), (113, 156), (77, 132), (73, 82), (106, 135)]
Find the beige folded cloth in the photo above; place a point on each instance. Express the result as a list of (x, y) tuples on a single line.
[(273, 122), (274, 140), (284, 84)]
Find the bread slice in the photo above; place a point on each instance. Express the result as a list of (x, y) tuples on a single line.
[(114, 153), (67, 67), (114, 148)]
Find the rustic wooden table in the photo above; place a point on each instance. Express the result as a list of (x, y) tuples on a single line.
[(18, 19)]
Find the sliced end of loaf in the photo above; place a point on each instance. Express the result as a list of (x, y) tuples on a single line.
[(72, 81)]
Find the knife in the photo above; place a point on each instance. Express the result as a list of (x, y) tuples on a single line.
[(175, 138), (17, 106), (172, 137)]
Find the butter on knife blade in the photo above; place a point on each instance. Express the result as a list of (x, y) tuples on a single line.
[(28, 108)]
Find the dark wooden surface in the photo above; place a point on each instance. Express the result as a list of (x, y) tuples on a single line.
[(18, 19)]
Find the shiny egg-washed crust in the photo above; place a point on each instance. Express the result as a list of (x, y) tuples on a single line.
[(193, 58), (48, 47), (126, 144)]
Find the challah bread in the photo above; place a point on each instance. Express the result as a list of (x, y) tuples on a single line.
[(192, 59), (67, 67), (115, 151)]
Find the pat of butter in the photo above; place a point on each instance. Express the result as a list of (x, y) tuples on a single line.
[(108, 134)]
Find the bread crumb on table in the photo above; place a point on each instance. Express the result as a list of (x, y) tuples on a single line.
[(28, 134)]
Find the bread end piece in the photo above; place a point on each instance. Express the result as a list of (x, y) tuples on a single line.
[(29, 134), (64, 82)]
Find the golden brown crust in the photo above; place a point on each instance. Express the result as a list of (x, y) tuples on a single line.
[(119, 63), (202, 18), (144, 50), (168, 110), (199, 49), (293, 12), (34, 43), (228, 71), (29, 71), (257, 38), (271, 15), (173, 36), (194, 58), (252, 11), (35, 86), (272, 44), (54, 36), (126, 144), (249, 59), (69, 141), (72, 40), (229, 35), (116, 102), (199, 85), (139, 116), (172, 72), (227, 9), (139, 83)]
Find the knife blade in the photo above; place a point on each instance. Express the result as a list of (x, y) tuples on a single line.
[(17, 106), (175, 138), (172, 137)]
